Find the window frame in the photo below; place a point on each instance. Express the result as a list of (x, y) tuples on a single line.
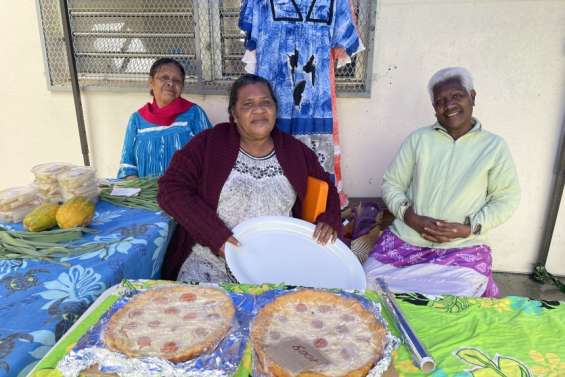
[(201, 86)]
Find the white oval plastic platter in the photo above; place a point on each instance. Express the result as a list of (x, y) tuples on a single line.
[(277, 249)]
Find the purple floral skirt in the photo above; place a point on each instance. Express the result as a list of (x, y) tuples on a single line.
[(432, 268)]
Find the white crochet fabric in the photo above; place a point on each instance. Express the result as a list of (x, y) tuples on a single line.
[(255, 187)]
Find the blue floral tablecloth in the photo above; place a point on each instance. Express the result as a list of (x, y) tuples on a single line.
[(40, 300)]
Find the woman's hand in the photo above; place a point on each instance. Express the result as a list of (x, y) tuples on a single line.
[(130, 177), (446, 232), (233, 241), (417, 222), (324, 233), (435, 230)]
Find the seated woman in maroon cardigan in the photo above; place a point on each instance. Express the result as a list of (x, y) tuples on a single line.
[(233, 172)]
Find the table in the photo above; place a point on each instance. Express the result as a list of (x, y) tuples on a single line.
[(245, 296), (40, 301), (468, 337), (472, 337)]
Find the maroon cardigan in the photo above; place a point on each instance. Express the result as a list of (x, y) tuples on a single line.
[(190, 188)]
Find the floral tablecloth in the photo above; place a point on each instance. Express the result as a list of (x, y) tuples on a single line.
[(40, 300), (484, 337)]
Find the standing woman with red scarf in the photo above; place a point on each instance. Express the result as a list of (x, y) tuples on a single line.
[(157, 130)]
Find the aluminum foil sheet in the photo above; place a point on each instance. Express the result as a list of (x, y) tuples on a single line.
[(222, 361), (391, 341)]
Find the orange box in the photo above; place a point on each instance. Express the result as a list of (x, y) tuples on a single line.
[(315, 200)]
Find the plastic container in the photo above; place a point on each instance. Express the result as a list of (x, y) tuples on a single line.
[(17, 214), (92, 195), (77, 177), (48, 172), (16, 197), (79, 181)]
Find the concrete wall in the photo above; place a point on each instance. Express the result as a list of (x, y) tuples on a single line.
[(515, 50)]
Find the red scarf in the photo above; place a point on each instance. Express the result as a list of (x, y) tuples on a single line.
[(164, 116)]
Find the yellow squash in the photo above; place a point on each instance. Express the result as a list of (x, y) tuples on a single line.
[(41, 218), (77, 211)]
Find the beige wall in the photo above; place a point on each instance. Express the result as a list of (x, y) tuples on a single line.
[(514, 48), (516, 51), (35, 125)]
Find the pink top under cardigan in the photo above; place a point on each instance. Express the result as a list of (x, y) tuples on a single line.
[(190, 188)]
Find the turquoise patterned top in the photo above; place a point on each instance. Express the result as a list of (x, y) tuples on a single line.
[(148, 148)]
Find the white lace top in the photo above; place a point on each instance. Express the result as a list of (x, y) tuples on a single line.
[(255, 187)]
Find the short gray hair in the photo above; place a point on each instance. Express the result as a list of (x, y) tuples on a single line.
[(445, 74)]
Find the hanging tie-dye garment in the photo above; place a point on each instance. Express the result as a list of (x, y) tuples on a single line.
[(289, 43)]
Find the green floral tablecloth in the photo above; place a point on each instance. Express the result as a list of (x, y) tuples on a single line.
[(468, 337), (512, 336)]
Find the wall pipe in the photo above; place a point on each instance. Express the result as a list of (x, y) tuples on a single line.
[(555, 200), (74, 80)]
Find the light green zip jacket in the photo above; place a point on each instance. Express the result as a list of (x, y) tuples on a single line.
[(470, 180)]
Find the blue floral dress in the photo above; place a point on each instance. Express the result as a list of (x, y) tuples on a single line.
[(292, 42)]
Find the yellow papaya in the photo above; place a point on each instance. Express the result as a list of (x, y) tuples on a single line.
[(77, 211), (41, 218)]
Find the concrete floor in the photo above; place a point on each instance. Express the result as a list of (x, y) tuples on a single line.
[(511, 284)]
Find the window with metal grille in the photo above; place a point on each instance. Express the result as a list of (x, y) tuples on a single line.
[(116, 41)]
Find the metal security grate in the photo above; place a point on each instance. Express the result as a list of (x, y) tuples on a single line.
[(116, 41)]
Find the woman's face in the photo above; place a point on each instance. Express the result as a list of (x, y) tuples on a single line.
[(255, 112), (454, 106), (167, 84)]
